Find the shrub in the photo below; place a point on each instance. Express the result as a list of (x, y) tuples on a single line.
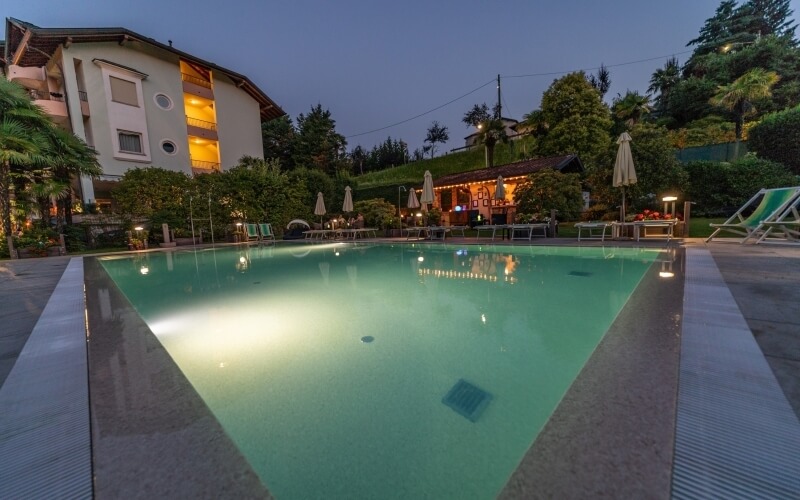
[(777, 138), (377, 213), (719, 188), (549, 189), (75, 238)]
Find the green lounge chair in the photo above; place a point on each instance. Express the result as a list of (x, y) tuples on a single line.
[(773, 203), (252, 231), (265, 228), (786, 228)]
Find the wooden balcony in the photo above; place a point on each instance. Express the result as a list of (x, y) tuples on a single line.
[(197, 86)]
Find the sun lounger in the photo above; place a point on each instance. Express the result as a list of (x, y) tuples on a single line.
[(490, 227), (437, 232), (593, 226), (251, 230), (525, 231), (772, 203), (265, 229), (458, 229), (786, 228)]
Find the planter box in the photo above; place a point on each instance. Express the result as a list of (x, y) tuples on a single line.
[(24, 253)]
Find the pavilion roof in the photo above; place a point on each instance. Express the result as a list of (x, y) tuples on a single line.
[(511, 171)]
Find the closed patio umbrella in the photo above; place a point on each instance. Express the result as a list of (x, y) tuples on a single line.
[(347, 206), (319, 208), (413, 202), (427, 190), (624, 171), (500, 190)]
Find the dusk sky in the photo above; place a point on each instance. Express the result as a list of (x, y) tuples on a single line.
[(374, 63)]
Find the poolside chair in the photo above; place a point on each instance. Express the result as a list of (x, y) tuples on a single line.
[(251, 231), (773, 203), (265, 228), (785, 229)]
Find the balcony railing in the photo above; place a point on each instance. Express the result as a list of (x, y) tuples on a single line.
[(194, 122), (46, 96), (205, 165), (83, 96), (195, 80)]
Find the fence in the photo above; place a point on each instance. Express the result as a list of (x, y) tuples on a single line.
[(728, 151)]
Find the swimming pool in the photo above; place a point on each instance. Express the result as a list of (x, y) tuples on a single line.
[(271, 338)]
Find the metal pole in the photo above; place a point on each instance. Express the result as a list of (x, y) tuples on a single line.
[(191, 218), (499, 102), (211, 222)]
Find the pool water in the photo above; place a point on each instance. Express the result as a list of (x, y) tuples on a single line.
[(328, 365)]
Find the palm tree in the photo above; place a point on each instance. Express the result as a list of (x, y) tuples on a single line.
[(20, 143), (490, 132), (68, 156), (663, 81), (631, 108), (738, 96), (436, 133)]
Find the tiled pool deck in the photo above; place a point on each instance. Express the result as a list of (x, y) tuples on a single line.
[(613, 435)]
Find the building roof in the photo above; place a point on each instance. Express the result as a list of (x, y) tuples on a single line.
[(565, 164), (37, 45)]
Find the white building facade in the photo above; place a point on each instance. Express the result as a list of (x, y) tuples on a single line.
[(138, 102)]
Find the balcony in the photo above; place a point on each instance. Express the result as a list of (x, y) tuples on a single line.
[(204, 167), (29, 77), (201, 128), (197, 86), (51, 103)]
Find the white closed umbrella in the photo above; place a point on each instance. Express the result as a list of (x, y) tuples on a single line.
[(347, 206), (319, 208), (500, 190), (624, 171), (413, 202), (427, 190)]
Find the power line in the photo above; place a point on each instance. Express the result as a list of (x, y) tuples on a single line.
[(493, 80), (598, 67), (423, 114)]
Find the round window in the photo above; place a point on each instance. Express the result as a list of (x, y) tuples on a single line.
[(169, 147), (163, 101)]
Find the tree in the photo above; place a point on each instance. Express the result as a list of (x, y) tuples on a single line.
[(317, 144), (535, 123), (777, 138), (631, 108), (143, 192), (21, 142), (663, 81), (490, 132), (738, 97), (436, 134), (68, 156), (578, 120), (477, 115), (547, 190), (657, 169), (601, 82), (278, 137), (717, 30)]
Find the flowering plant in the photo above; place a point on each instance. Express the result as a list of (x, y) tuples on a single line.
[(653, 215)]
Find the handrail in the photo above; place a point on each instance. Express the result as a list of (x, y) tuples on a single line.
[(195, 122), (195, 80), (83, 96), (208, 165), (46, 96)]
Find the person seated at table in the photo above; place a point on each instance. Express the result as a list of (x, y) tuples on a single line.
[(359, 222)]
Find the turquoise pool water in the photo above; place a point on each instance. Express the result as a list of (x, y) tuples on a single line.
[(274, 339)]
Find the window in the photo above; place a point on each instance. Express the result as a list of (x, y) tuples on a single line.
[(163, 101), (130, 142), (169, 147), (123, 91)]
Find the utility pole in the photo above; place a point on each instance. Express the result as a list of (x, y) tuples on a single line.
[(499, 106)]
